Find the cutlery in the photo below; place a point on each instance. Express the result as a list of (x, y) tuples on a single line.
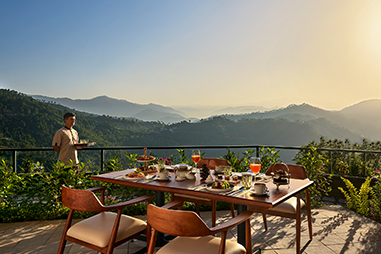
[(117, 177), (236, 192), (230, 192), (196, 187), (201, 187), (147, 180)]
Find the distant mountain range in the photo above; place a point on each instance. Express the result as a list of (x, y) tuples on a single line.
[(361, 120), (104, 105), (355, 122)]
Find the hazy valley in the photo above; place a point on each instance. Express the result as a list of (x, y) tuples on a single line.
[(354, 122), (27, 122)]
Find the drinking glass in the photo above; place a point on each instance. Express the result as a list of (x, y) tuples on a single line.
[(255, 166), (161, 165), (227, 171), (196, 156), (247, 179)]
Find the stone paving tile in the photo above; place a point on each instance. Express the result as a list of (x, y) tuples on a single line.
[(268, 252), (335, 230), (346, 248), (319, 249)]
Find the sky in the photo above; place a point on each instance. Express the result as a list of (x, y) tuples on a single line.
[(194, 52)]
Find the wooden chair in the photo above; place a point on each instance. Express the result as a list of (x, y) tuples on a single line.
[(211, 162), (193, 235), (289, 207), (105, 230)]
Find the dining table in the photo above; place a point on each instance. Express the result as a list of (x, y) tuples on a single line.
[(244, 198)]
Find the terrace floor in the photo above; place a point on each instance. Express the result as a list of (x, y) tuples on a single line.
[(335, 230)]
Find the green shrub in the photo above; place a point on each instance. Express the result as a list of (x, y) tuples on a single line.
[(180, 157), (242, 164), (317, 171), (366, 200), (268, 157), (375, 212), (37, 196)]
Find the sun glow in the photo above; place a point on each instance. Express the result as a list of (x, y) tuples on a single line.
[(369, 32)]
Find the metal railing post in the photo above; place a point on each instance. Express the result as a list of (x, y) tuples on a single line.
[(102, 158), (14, 160), (330, 157), (366, 171)]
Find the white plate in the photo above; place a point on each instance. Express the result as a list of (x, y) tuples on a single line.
[(219, 190), (259, 194), (231, 182), (133, 178)]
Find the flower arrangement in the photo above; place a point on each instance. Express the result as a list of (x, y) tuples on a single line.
[(168, 161)]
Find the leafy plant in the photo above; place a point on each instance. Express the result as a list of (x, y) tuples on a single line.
[(241, 164), (132, 159), (113, 164), (358, 201), (29, 166), (180, 157), (27, 197), (268, 157), (238, 164), (375, 212), (317, 171)]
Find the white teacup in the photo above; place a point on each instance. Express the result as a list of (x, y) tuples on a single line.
[(191, 176), (260, 188), (163, 175)]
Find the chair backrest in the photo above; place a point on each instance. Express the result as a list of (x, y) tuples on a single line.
[(296, 171), (176, 222), (212, 162), (80, 200)]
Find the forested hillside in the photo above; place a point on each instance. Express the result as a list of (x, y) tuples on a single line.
[(26, 122)]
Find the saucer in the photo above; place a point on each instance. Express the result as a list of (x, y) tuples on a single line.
[(180, 179), (165, 179), (260, 194)]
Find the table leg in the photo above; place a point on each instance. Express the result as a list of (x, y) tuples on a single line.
[(241, 227), (160, 198), (160, 201), (298, 222)]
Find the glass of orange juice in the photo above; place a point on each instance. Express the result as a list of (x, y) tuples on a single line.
[(255, 166), (196, 156)]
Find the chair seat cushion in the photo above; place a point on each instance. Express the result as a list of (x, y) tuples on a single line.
[(200, 245), (288, 206), (97, 229), (190, 197)]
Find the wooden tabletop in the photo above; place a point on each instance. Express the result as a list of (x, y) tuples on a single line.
[(274, 197)]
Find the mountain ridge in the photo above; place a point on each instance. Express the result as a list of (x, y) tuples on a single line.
[(360, 119), (104, 105)]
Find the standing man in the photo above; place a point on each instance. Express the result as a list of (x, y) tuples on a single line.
[(65, 139)]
